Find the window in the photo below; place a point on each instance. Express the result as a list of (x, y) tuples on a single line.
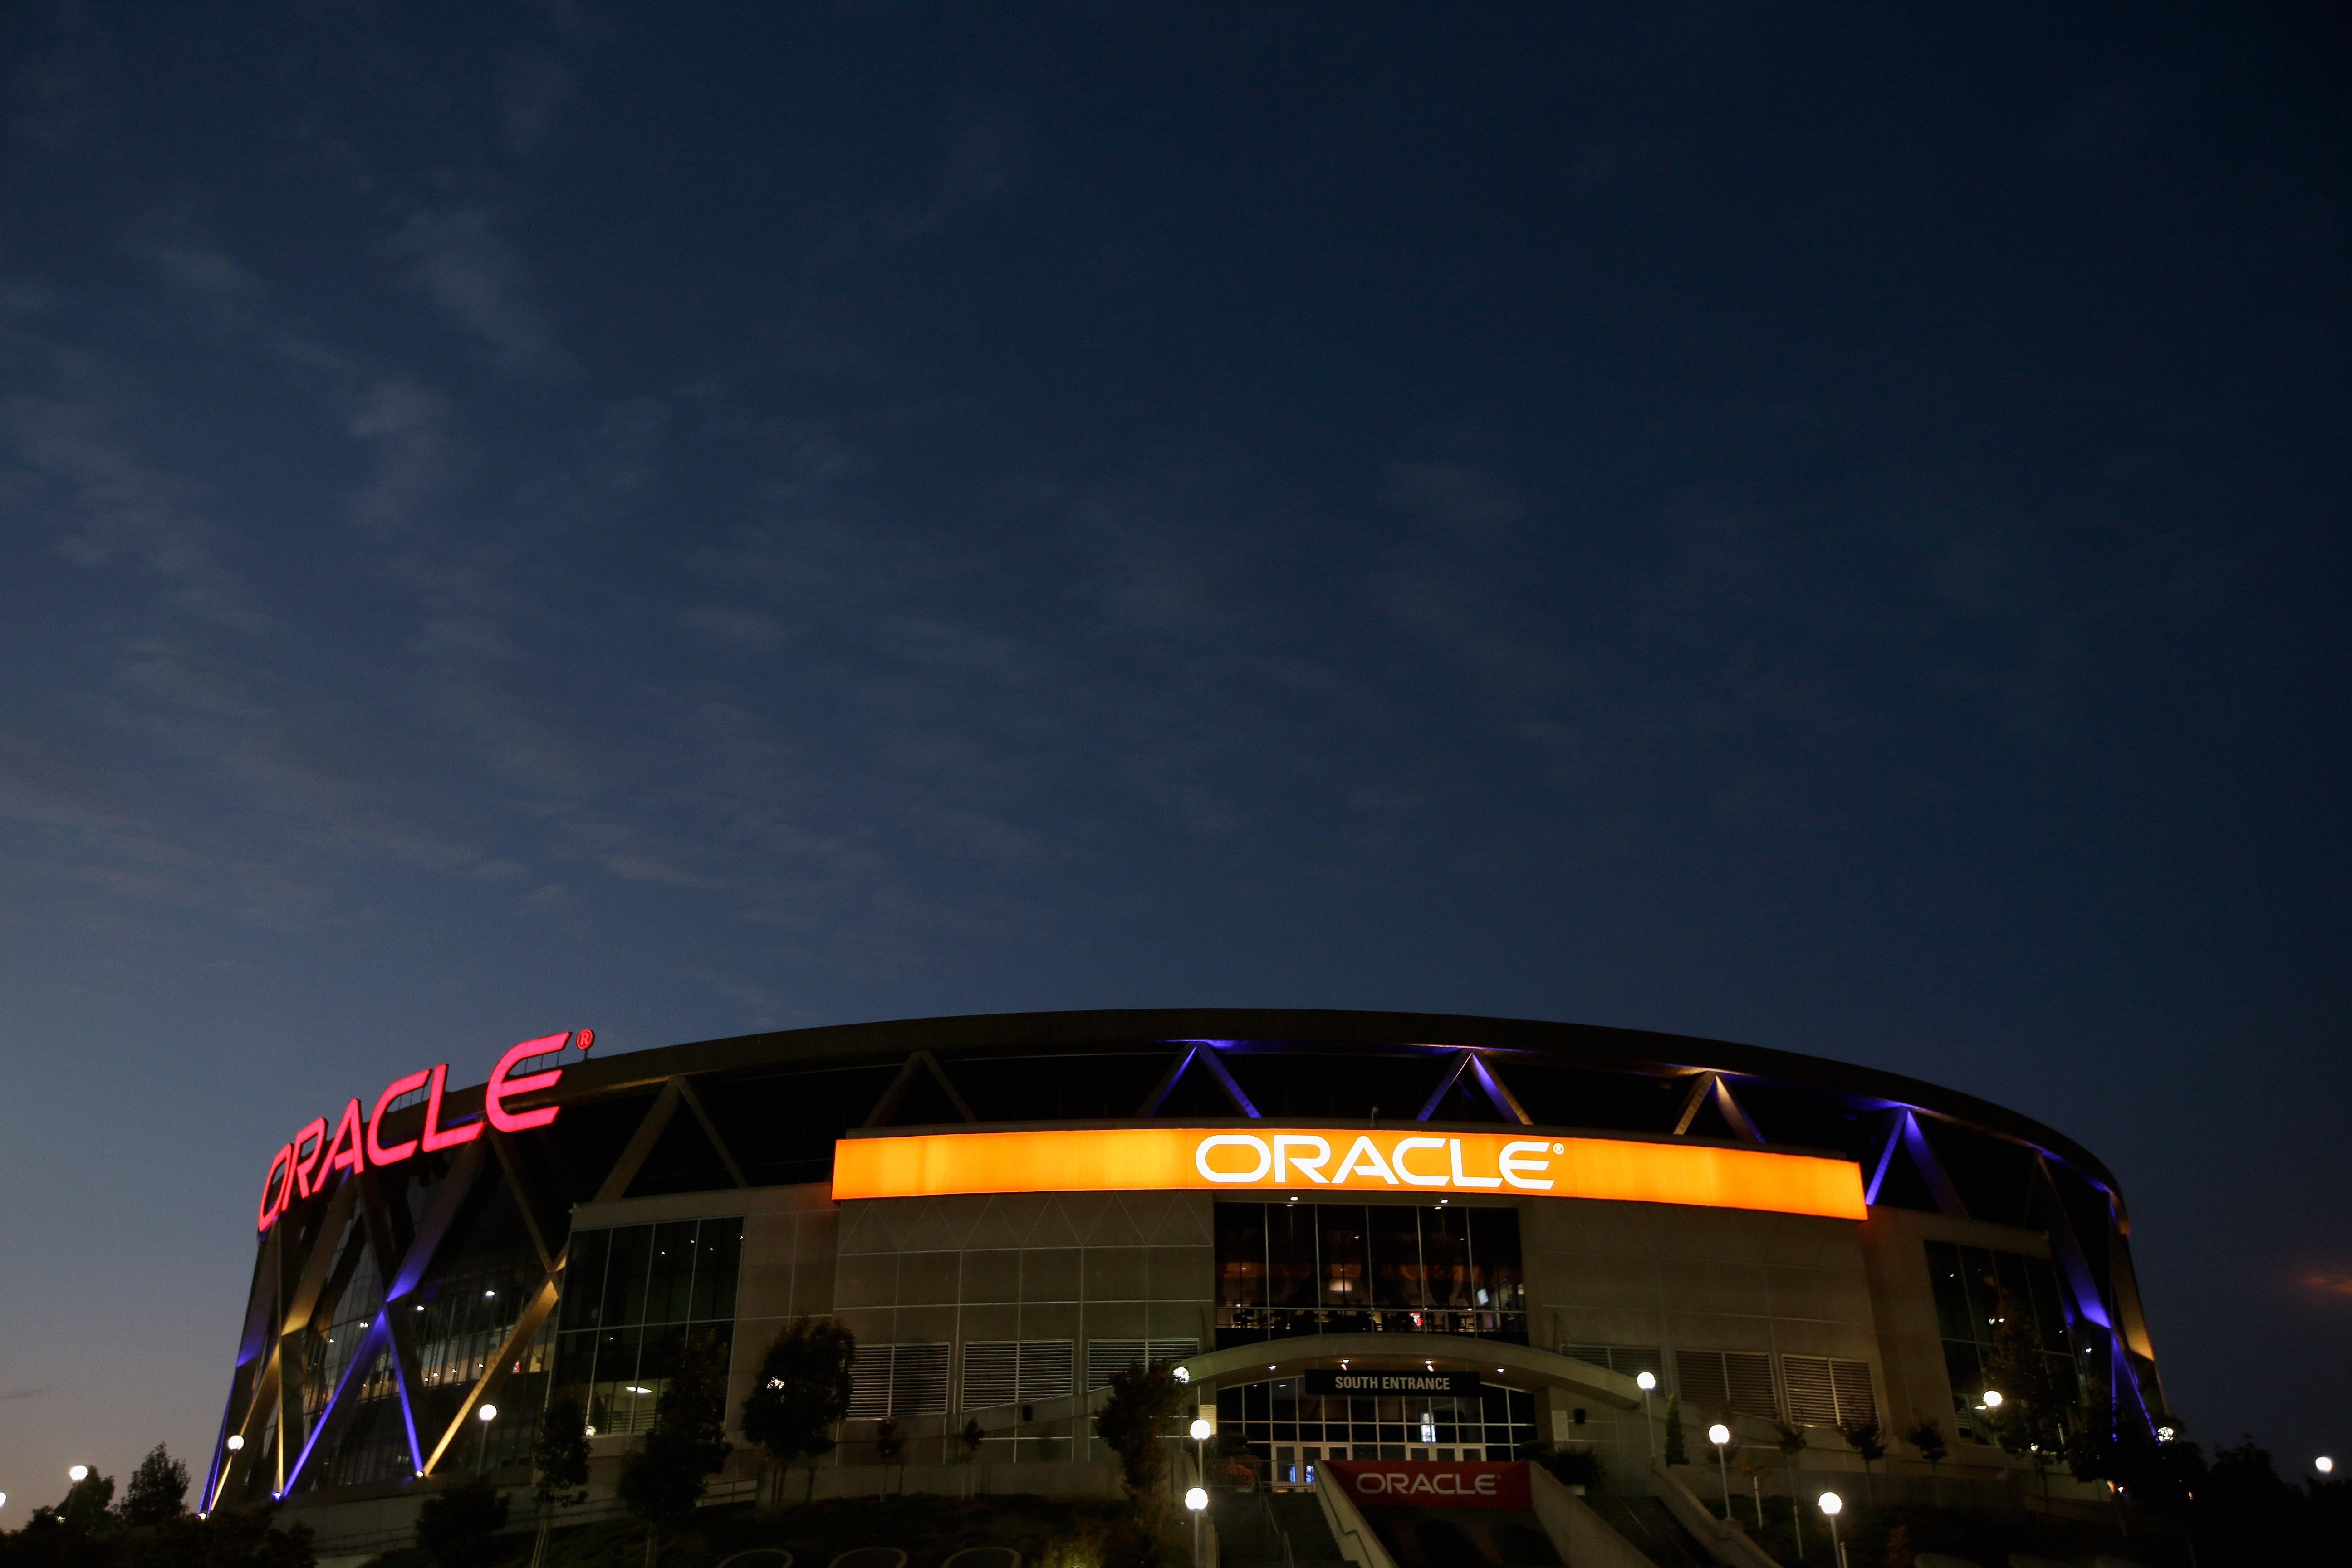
[(1970, 1285), (1295, 1431), (887, 1382), (1106, 1356), (1631, 1360), (1827, 1392), (1308, 1268), (1736, 1381), (633, 1296)]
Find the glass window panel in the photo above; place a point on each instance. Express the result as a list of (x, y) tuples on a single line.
[(583, 1278), (1446, 1255), (625, 1276), (719, 1254), (1339, 1242), (1241, 1255), (670, 1292), (1290, 1255), (1394, 1241), (1494, 1259)]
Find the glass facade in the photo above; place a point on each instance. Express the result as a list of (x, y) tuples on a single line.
[(1284, 1269), (633, 1296), (1292, 1432), (1970, 1282)]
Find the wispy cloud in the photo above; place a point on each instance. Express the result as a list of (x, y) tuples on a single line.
[(475, 278)]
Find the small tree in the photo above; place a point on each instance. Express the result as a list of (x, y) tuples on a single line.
[(1864, 1437), (86, 1507), (460, 1528), (558, 1463), (1677, 1451), (665, 1478), (802, 1395), (1143, 1401), (2030, 1419), (158, 1490), (1928, 1437)]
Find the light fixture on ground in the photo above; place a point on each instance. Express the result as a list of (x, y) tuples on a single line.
[(1832, 1505), (486, 1415), (1720, 1436), (1646, 1382)]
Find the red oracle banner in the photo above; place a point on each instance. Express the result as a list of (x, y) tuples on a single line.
[(1433, 1483)]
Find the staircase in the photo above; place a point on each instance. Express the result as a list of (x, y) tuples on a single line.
[(1651, 1529), (1251, 1528)]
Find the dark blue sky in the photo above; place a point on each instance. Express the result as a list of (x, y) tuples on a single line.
[(1820, 526)]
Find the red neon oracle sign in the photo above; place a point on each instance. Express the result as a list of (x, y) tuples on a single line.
[(306, 1166)]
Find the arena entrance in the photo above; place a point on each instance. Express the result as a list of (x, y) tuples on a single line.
[(1523, 1397)]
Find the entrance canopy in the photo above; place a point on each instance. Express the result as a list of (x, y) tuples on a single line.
[(1521, 1366)]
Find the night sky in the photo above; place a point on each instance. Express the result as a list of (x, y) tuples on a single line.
[(1822, 527)]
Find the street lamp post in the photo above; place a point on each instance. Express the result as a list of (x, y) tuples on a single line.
[(1645, 1381), (486, 1415), (1832, 1506), (1720, 1436), (1197, 1499)]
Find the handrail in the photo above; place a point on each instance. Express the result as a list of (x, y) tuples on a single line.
[(1724, 1539)]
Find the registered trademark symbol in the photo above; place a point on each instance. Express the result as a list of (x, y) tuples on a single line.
[(1560, 1148)]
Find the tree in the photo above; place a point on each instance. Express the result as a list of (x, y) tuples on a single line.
[(1791, 1442), (1864, 1437), (225, 1538), (802, 1395), (2030, 1419), (158, 1490), (665, 1478), (558, 1464), (1677, 1451), (85, 1507), (1928, 1437), (458, 1528), (1143, 1400)]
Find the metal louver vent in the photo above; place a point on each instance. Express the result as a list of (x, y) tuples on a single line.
[(1106, 1356), (890, 1380), (1827, 1392), (1738, 1380)]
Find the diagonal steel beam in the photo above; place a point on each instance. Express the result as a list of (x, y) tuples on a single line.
[(1462, 1059), (1692, 1101), (518, 1340), (1732, 1113), (1167, 1084), (1216, 1067), (641, 1143), (711, 1128), (1498, 1091)]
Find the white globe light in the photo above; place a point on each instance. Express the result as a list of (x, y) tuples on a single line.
[(1832, 1504), (592, 1431), (2324, 1465), (1645, 1380), (1181, 1374), (1196, 1499), (235, 1442), (487, 1413), (1992, 1399), (79, 1474), (2165, 1434), (3, 1500), (1200, 1429), (1718, 1434)]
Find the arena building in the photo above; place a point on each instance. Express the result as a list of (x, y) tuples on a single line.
[(1006, 1209)]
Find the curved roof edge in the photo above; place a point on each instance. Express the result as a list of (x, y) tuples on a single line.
[(1596, 1046)]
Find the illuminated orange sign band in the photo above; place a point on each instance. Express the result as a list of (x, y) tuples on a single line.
[(1302, 1160)]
